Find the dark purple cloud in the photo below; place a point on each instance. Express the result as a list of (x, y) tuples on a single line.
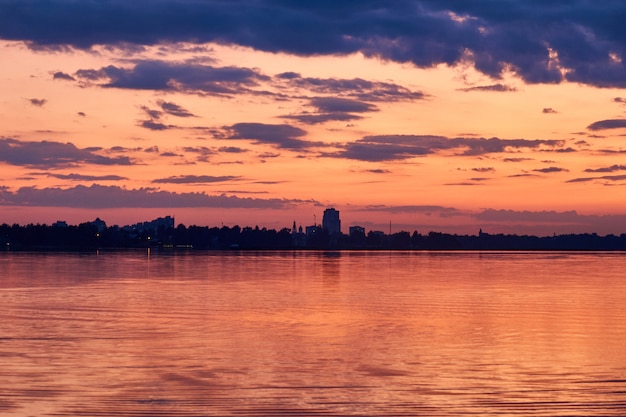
[(193, 179), (400, 147), (175, 77), (341, 105), (605, 177), (232, 149), (516, 159), (611, 168), (442, 211), (101, 197), (545, 223), (498, 88), (174, 109), (38, 102), (536, 39), (82, 177), (156, 116), (549, 110), (355, 88), (550, 170), (318, 118), (484, 169), (154, 125), (48, 154), (59, 75), (153, 114), (281, 136), (608, 124), (203, 153), (529, 216), (333, 109)]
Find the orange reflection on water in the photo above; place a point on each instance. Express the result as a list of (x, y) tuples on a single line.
[(350, 333)]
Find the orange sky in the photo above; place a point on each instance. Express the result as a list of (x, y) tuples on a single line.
[(223, 133)]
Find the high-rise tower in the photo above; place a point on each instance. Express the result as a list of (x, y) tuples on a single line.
[(331, 222)]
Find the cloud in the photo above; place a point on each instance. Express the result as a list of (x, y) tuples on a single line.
[(174, 77), (608, 124), (486, 169), (333, 109), (313, 119), (193, 179), (81, 177), (499, 88), (401, 147), (543, 42), (516, 159), (169, 154), (174, 109), (341, 105), (528, 216), (232, 149), (282, 136), (605, 177), (355, 88), (550, 170), (167, 108), (269, 155), (102, 197), (442, 211), (156, 126), (378, 171), (38, 102), (58, 75), (611, 168), (549, 110), (48, 154), (545, 223), (203, 152)]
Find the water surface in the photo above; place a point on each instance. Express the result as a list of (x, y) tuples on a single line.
[(312, 334)]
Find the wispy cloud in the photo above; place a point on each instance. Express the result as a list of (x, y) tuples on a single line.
[(605, 177), (550, 170), (401, 147), (194, 179), (344, 88), (498, 88), (48, 154), (102, 197), (82, 177), (611, 168)]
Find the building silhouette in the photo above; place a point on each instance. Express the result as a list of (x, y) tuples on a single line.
[(331, 222), (357, 231)]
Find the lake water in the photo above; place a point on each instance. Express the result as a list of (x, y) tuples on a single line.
[(312, 334)]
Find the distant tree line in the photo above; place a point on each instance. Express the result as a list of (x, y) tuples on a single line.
[(94, 235)]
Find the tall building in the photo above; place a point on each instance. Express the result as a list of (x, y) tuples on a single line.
[(331, 222)]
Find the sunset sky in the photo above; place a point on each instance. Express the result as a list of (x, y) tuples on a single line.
[(445, 115)]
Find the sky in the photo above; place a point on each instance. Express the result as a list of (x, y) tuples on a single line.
[(442, 115)]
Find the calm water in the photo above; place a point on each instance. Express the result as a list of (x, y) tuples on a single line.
[(313, 334)]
